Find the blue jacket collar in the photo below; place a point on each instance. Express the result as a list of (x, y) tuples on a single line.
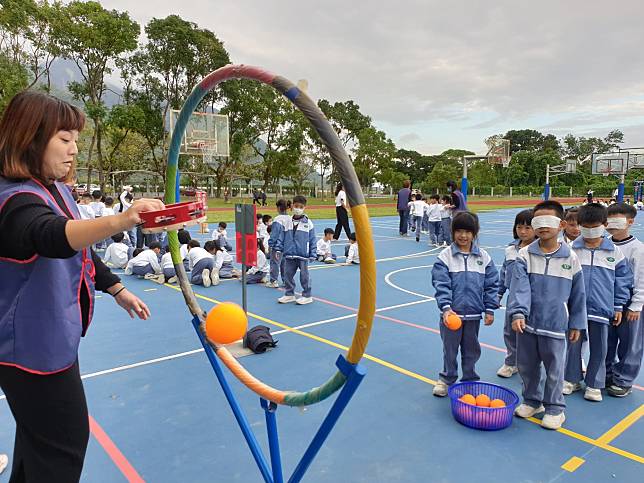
[(606, 244), (562, 252), (474, 251)]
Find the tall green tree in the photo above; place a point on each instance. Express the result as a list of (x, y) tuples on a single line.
[(94, 37), (373, 152), (13, 78)]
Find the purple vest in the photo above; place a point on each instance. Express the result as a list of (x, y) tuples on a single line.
[(40, 313), (461, 198)]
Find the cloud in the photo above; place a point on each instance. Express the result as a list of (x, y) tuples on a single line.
[(470, 63)]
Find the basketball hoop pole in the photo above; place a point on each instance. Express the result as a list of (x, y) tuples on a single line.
[(620, 189), (464, 179), (546, 188)]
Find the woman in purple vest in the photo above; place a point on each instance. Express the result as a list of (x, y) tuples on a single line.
[(458, 200), (403, 207), (49, 273)]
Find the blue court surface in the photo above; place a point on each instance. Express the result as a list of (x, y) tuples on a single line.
[(158, 413)]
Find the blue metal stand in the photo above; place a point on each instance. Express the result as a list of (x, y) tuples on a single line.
[(546, 192), (464, 187), (354, 375), (620, 190)]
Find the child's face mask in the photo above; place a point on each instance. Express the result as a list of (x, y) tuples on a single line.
[(617, 223), (298, 211), (594, 232)]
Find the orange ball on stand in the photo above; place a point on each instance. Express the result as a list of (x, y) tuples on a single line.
[(226, 323)]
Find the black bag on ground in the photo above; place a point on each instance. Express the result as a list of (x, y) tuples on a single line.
[(258, 339)]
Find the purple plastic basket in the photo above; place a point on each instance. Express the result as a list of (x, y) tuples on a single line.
[(488, 419)]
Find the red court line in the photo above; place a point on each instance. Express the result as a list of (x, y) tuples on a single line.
[(114, 453)]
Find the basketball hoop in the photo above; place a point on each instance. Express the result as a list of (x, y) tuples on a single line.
[(499, 160), (208, 152), (498, 151)]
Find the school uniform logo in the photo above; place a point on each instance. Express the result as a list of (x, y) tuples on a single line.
[(565, 266), (610, 259), (479, 262)]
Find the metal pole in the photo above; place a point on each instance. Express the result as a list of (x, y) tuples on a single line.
[(546, 189), (273, 440), (620, 189), (464, 180)]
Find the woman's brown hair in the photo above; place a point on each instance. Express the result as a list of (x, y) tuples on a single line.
[(30, 120)]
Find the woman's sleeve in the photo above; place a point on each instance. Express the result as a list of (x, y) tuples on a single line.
[(28, 226)]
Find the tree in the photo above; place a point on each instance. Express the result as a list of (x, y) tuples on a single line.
[(414, 165), (13, 78), (374, 151), (531, 140), (94, 38), (581, 147), (444, 171)]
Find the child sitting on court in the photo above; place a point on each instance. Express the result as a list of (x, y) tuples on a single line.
[(184, 239), (467, 284), (167, 266), (446, 220), (297, 243), (608, 279), (223, 264), (277, 229), (547, 301), (96, 204), (571, 231), (258, 273), (265, 235), (523, 236), (86, 211), (146, 264), (353, 256), (201, 263), (625, 340), (117, 254), (323, 247), (222, 235)]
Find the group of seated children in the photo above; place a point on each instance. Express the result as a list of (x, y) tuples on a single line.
[(563, 288), (432, 218)]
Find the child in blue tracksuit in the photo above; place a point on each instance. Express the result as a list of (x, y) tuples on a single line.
[(626, 340), (298, 245), (547, 301), (523, 236), (276, 232), (467, 284), (608, 279)]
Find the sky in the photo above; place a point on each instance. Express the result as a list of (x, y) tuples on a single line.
[(436, 74)]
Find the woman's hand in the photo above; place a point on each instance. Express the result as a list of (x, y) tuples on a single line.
[(132, 304), (133, 214)]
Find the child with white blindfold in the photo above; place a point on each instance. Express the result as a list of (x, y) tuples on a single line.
[(547, 304), (608, 279), (626, 339)]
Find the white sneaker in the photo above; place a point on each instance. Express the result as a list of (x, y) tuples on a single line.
[(527, 411), (593, 394), (205, 276), (507, 371), (150, 276), (286, 299), (160, 279), (553, 421), (304, 300), (569, 388), (172, 279), (214, 277), (440, 389), (4, 461), (270, 284)]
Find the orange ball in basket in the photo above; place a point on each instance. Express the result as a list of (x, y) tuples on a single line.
[(453, 322), (226, 323), (483, 400), (497, 403), (468, 399)]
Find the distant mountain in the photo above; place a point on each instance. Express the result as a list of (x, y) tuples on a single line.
[(64, 71)]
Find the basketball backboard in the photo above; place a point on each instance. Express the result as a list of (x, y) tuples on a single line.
[(571, 165), (498, 150), (635, 158), (206, 135), (609, 163)]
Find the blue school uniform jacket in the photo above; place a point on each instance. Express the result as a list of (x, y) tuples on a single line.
[(277, 229), (297, 239), (468, 283), (548, 291), (507, 268), (608, 279)]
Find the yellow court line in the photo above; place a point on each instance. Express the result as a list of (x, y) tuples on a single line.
[(622, 426), (573, 464), (593, 442)]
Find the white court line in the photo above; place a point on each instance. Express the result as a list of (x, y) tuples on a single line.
[(390, 283), (196, 351), (401, 257)]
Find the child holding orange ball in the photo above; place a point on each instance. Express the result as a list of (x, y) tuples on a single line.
[(523, 236), (467, 284)]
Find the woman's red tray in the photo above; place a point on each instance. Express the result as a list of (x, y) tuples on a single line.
[(174, 217)]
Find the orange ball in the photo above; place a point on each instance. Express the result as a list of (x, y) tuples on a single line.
[(226, 323), (468, 399), (483, 400), (454, 322), (497, 403)]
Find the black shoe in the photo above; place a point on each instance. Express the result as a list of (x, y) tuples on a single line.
[(618, 391), (417, 239)]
